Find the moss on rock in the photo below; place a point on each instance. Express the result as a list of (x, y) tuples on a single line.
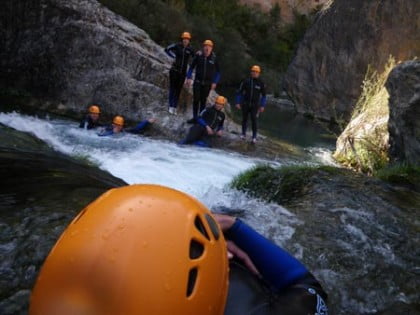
[(281, 184)]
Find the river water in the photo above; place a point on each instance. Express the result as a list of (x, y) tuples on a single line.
[(205, 174)]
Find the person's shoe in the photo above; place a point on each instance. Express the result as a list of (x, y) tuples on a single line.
[(254, 140), (243, 137), (171, 110), (192, 121)]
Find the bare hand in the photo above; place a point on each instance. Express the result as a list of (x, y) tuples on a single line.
[(151, 120), (236, 251), (225, 221), (261, 109), (189, 82), (209, 130), (213, 86), (238, 106), (219, 133)]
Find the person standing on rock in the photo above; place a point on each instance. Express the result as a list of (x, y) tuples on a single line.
[(91, 120), (209, 123), (181, 52), (207, 75), (251, 99)]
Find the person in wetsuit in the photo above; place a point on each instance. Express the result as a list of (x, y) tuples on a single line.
[(209, 123), (150, 249), (117, 127), (207, 75), (181, 52), (91, 120), (293, 289), (251, 99)]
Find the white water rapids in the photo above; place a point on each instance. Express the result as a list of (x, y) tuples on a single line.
[(363, 249), (201, 172)]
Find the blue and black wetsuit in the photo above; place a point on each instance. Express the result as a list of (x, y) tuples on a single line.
[(109, 130), (210, 117), (88, 123), (178, 70), (294, 289), (251, 95), (207, 72)]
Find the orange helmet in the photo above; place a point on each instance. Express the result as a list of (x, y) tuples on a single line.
[(221, 100), (256, 68), (208, 42), (141, 249), (118, 120), (94, 109), (186, 35)]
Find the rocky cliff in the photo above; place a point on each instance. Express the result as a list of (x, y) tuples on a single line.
[(72, 53), (403, 86), (289, 7), (325, 77)]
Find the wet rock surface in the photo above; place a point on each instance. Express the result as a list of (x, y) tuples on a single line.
[(404, 112), (69, 54), (40, 193), (357, 235), (325, 76), (360, 239)]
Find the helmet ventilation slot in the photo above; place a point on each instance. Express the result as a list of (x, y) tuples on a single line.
[(213, 226), (200, 227), (192, 278), (196, 249)]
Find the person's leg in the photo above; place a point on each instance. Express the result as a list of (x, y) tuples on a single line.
[(172, 87), (196, 99), (178, 88), (205, 90), (254, 111), (195, 133), (245, 113)]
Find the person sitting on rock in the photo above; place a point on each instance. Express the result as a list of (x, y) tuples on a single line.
[(251, 98), (207, 75), (209, 123), (91, 120), (117, 127), (181, 52)]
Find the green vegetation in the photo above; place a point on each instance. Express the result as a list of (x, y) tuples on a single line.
[(278, 185), (405, 174), (364, 143), (242, 35)]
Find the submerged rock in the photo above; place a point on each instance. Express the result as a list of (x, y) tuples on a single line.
[(40, 193), (324, 78), (404, 118)]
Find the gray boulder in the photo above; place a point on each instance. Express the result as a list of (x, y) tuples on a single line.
[(325, 76), (403, 86), (72, 53)]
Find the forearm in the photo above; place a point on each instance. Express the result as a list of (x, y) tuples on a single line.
[(276, 266), (140, 126)]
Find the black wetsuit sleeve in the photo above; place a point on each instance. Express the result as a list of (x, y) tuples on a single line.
[(240, 92), (216, 77), (170, 50), (204, 117), (83, 123), (277, 266), (263, 95), (192, 67), (220, 127)]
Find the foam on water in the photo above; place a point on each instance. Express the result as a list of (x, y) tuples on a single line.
[(203, 173)]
